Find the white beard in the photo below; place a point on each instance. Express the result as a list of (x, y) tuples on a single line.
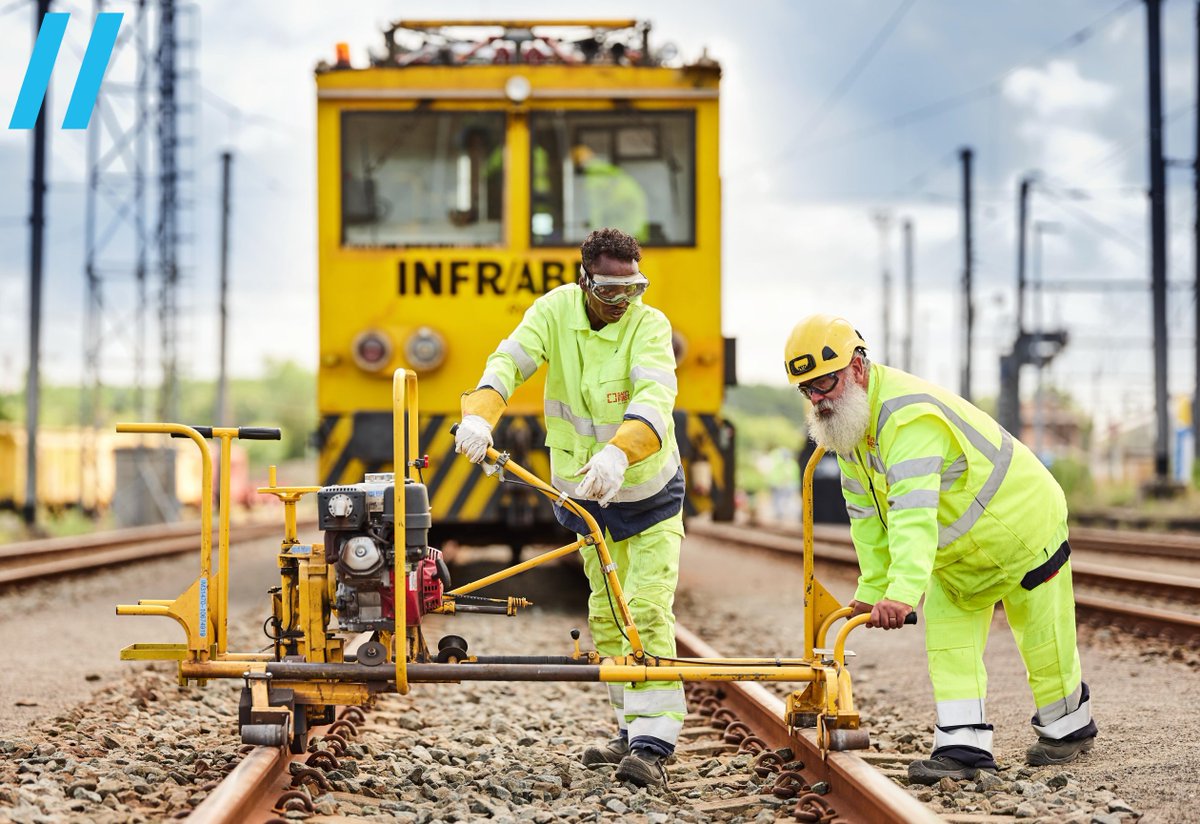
[(841, 431)]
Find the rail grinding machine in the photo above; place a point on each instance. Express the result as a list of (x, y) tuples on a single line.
[(338, 609)]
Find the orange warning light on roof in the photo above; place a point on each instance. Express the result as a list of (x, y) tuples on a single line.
[(343, 55)]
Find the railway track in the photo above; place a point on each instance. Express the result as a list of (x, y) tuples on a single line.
[(30, 560), (832, 544), (752, 761)]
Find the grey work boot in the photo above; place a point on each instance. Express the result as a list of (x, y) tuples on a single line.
[(642, 767), (610, 752), (1049, 751), (930, 771)]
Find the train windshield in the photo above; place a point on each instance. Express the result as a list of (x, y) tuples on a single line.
[(422, 178), (630, 170)]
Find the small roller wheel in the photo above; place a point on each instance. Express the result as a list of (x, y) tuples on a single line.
[(452, 649), (300, 733), (849, 740), (264, 735), (372, 654)]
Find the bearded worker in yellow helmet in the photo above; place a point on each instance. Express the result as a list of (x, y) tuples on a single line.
[(944, 503), (610, 395)]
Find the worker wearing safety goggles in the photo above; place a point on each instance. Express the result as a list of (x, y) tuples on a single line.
[(944, 503), (610, 395)]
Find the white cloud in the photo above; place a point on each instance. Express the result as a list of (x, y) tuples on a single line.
[(1057, 89)]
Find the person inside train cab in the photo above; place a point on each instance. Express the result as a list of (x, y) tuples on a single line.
[(609, 398), (944, 503), (611, 196)]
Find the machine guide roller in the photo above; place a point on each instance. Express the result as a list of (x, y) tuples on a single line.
[(338, 611)]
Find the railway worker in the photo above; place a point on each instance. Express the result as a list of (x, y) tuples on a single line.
[(610, 393), (944, 503), (612, 196)]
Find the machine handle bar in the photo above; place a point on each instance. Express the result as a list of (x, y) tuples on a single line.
[(245, 433)]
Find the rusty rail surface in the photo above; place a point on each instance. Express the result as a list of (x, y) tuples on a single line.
[(857, 792), (28, 560)]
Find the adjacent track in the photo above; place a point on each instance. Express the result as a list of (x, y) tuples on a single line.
[(832, 544), (29, 560)]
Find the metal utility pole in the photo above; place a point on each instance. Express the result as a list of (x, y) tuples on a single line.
[(1022, 224), (1158, 240), (1196, 250), (221, 415), (37, 226), (883, 220), (908, 294), (1008, 404), (965, 154), (1040, 228)]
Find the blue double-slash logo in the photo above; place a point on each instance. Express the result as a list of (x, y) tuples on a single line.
[(91, 71)]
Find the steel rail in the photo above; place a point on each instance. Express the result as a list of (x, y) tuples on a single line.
[(245, 789), (1084, 573), (28, 560), (858, 791)]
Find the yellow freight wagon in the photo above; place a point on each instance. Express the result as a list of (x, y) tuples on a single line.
[(456, 178)]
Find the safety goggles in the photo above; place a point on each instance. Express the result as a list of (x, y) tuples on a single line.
[(614, 291), (821, 386)]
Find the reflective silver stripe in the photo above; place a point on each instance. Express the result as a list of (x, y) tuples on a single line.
[(516, 351), (973, 435), (654, 701), (493, 380), (858, 512), (963, 737), (949, 534), (961, 711), (914, 468), (875, 463), (645, 373), (954, 471), (663, 727), (1069, 723), (616, 697), (584, 426), (651, 416), (627, 494), (917, 499), (852, 486)]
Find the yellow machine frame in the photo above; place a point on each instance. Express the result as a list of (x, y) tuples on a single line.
[(324, 679)]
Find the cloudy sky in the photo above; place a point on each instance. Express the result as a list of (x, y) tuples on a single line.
[(832, 113)]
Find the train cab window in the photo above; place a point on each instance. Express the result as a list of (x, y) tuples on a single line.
[(422, 178), (631, 170)]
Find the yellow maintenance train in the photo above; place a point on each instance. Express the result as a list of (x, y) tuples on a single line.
[(457, 176)]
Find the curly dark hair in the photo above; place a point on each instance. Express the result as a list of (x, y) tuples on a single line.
[(612, 242)]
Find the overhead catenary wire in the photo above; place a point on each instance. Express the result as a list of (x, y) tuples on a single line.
[(982, 91)]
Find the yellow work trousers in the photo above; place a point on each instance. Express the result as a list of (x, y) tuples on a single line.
[(650, 713)]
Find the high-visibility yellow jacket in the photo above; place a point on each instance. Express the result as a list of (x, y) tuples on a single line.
[(938, 487), (597, 382)]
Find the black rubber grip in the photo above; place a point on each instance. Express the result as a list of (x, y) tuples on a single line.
[(245, 433), (259, 433), (911, 618), (454, 429)]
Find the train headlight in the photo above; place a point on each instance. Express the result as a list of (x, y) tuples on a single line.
[(372, 350), (425, 350), (518, 88)]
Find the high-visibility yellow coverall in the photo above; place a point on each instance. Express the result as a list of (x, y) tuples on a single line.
[(944, 502), (616, 384)]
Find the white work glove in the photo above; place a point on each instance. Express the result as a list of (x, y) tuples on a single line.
[(604, 475), (472, 438)]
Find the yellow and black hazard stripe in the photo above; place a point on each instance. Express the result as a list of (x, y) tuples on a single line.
[(470, 506)]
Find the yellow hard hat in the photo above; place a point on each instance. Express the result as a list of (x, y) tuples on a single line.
[(820, 345)]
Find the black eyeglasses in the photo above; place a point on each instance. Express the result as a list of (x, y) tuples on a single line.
[(822, 385)]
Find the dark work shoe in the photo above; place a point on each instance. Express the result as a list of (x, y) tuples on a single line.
[(932, 770), (610, 752), (1049, 751), (642, 767)]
